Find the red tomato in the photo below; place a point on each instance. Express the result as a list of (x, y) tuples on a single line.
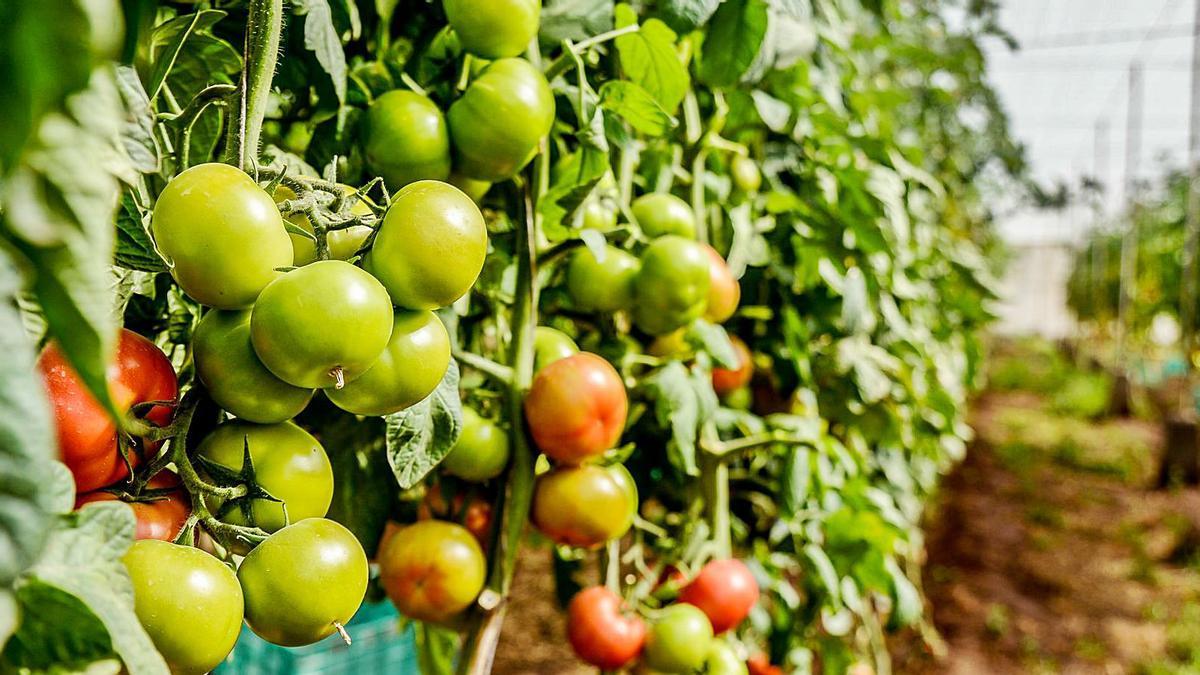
[(159, 517), (759, 664), (87, 436), (726, 381), (601, 632), (725, 590), (724, 291), (576, 408)]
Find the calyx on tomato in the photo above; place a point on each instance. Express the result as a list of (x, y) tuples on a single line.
[(161, 509)]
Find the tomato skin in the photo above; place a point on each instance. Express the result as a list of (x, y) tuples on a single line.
[(600, 633), (87, 437), (602, 285), (343, 244), (302, 581), (671, 289), (550, 345), (723, 660), (725, 590), (430, 247), (475, 189), (288, 463), (481, 452), (406, 139), (726, 381), (582, 506), (724, 291), (661, 213), (746, 176), (678, 640), (235, 377), (189, 602), (432, 570), (409, 369), (323, 316), (222, 233), (576, 408), (759, 664), (162, 518), (498, 122), (597, 215), (494, 29)]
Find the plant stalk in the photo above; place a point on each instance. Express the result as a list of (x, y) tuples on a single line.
[(264, 26)]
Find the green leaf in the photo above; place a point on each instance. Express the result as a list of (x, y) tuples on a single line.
[(713, 339), (60, 632), (574, 20), (134, 248), (419, 437), (683, 400), (27, 442), (83, 558), (385, 9), (826, 573), (168, 39), (636, 106), (649, 59), (776, 114), (321, 38), (684, 16), (574, 178), (796, 479), (857, 315), (907, 606), (137, 134), (733, 42)]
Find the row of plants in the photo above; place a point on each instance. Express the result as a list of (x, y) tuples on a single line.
[(691, 288)]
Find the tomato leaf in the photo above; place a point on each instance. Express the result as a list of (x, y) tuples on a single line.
[(321, 38), (649, 59), (636, 106), (683, 400), (61, 632), (574, 19), (733, 42), (134, 248), (137, 133), (714, 340), (419, 437), (82, 558), (684, 16)]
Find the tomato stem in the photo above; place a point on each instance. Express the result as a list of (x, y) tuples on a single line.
[(264, 26)]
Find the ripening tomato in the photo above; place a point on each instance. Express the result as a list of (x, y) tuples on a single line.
[(606, 285), (671, 289), (288, 463), (432, 570), (321, 325), (660, 213), (222, 235), (87, 436), (576, 408), (494, 29), (235, 377), (726, 381), (430, 247), (724, 291), (746, 176), (189, 602), (725, 590), (408, 370), (303, 582), (161, 511), (722, 659), (583, 506), (759, 664), (678, 640), (343, 244), (601, 632), (481, 452), (550, 345), (406, 139), (497, 124)]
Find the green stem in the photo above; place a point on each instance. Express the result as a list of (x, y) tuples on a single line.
[(497, 371), (714, 475), (264, 25)]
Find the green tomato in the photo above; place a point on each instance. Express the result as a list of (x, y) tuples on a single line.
[(602, 285), (408, 370), (189, 602), (430, 247), (746, 176), (343, 244), (303, 582), (722, 659), (498, 122), (550, 345), (671, 289), (288, 463), (599, 215), (406, 139), (475, 189), (660, 213), (233, 375), (320, 322), (222, 234), (679, 640), (481, 452), (494, 29)]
